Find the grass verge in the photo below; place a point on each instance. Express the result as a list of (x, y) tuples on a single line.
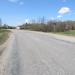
[(4, 34), (69, 33)]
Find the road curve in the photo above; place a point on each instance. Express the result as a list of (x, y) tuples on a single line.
[(36, 53)]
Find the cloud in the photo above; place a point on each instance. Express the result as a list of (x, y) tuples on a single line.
[(21, 3), (17, 1), (59, 16), (64, 10), (14, 1)]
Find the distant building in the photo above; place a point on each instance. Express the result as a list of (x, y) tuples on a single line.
[(17, 27)]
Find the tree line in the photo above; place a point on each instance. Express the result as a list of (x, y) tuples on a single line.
[(5, 26), (50, 26)]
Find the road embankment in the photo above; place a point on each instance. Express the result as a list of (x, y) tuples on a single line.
[(62, 37), (70, 39)]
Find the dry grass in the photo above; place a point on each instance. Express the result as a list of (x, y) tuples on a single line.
[(4, 34)]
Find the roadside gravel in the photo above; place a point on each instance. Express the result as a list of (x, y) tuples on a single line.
[(4, 55)]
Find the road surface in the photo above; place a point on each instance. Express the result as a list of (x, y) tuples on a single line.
[(37, 53)]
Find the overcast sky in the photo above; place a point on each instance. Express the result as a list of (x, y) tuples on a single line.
[(15, 12)]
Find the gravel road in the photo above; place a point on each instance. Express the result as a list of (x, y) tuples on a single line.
[(37, 53)]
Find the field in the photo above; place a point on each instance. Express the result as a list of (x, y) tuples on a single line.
[(4, 34), (69, 33)]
